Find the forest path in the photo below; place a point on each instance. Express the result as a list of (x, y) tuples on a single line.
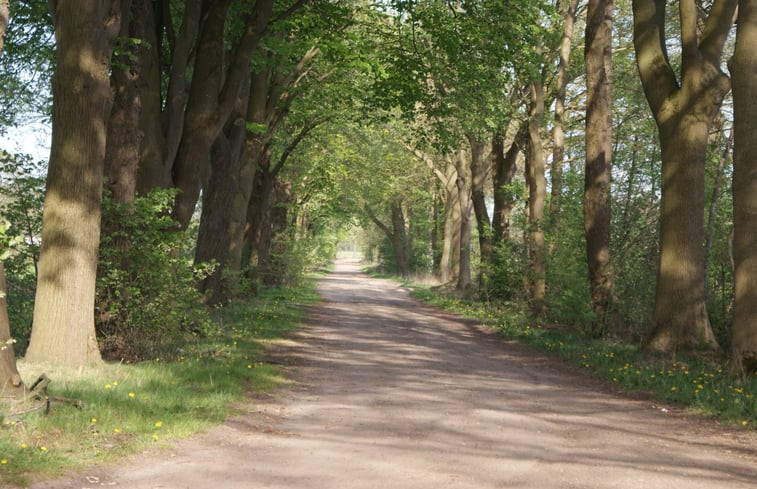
[(394, 394)]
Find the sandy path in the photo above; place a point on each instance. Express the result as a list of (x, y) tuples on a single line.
[(392, 394)]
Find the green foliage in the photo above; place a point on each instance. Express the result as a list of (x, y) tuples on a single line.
[(21, 211), (129, 408), (502, 280), (146, 289)]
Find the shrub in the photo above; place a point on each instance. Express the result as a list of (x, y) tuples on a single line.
[(146, 289)]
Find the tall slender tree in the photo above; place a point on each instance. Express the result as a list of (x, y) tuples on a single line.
[(743, 67), (64, 330), (683, 110), (598, 60)]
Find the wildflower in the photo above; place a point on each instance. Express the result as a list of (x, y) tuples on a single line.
[(24, 445), (43, 448), (108, 387), (93, 420), (3, 462), (673, 389), (158, 424), (744, 423), (116, 430), (131, 394), (155, 437), (249, 365)]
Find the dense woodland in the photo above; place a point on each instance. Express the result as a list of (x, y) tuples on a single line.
[(591, 164)]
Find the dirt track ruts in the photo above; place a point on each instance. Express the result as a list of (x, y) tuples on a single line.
[(393, 394)]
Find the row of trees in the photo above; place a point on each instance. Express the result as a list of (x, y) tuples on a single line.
[(254, 128)]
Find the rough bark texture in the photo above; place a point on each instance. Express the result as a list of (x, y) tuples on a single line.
[(480, 169), (63, 331), (122, 151), (10, 380), (271, 259), (558, 134), (537, 192), (598, 54), (744, 72), (684, 113), (215, 88)]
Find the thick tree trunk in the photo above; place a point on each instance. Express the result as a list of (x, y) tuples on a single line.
[(213, 236), (598, 54), (537, 192), (744, 72), (400, 239), (684, 113), (11, 385), (558, 133), (63, 331)]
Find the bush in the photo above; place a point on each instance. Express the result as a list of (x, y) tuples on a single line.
[(146, 289)]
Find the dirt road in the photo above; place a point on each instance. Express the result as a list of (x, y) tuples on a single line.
[(392, 394)]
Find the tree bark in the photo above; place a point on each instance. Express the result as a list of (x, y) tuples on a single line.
[(505, 165), (558, 133), (743, 69), (464, 280), (598, 60), (212, 97), (684, 113), (271, 265), (537, 191), (10, 380), (122, 152), (479, 172), (63, 330)]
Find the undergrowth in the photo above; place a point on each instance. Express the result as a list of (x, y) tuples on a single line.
[(127, 408), (700, 382)]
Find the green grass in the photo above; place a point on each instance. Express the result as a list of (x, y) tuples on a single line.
[(699, 382), (130, 407)]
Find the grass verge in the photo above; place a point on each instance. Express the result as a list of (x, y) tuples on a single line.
[(700, 382), (128, 408)]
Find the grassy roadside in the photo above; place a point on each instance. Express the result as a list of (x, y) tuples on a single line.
[(700, 383), (128, 408)]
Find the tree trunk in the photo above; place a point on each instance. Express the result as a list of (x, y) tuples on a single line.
[(464, 281), (479, 172), (213, 236), (271, 265), (505, 165), (598, 60), (63, 331), (684, 113), (449, 263), (400, 239), (122, 153), (558, 134), (743, 68), (10, 380), (215, 88), (537, 191)]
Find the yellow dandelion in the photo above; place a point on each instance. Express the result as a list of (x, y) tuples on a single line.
[(93, 420), (116, 430), (674, 388), (155, 437), (24, 445), (744, 423), (249, 365), (158, 424), (131, 394), (43, 448), (108, 387), (3, 461)]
